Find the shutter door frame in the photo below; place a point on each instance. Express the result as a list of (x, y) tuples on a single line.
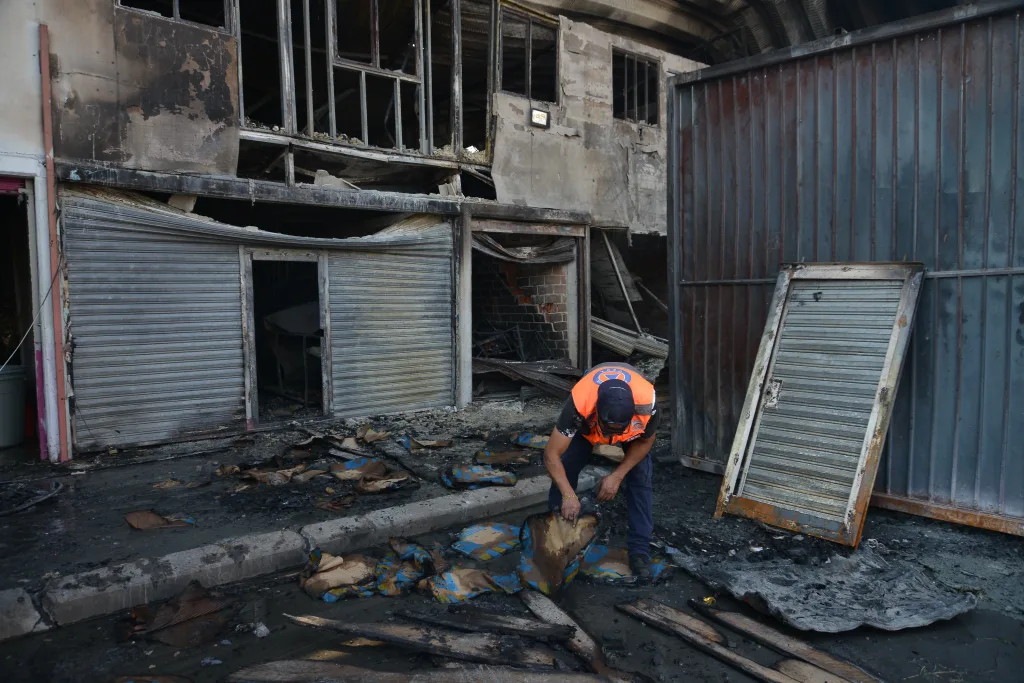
[(761, 394), (136, 380), (369, 292)]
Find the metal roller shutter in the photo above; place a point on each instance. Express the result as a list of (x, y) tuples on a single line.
[(155, 322), (828, 360), (820, 399), (392, 328)]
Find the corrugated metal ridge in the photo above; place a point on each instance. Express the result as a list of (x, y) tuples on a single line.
[(90, 210), (865, 36)]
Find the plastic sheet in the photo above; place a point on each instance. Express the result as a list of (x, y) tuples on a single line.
[(487, 541)]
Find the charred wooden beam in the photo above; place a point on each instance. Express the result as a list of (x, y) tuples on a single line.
[(477, 621), (476, 647)]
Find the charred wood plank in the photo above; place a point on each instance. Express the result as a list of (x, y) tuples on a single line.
[(307, 671), (476, 621), (476, 647), (697, 634), (787, 645)]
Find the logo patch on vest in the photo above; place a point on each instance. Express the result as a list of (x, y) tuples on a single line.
[(606, 374)]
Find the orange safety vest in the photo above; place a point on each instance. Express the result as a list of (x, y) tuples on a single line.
[(584, 397)]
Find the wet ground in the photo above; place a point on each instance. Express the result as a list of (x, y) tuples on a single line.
[(983, 646), (83, 527)]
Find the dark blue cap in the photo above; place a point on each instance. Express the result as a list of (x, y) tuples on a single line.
[(615, 402)]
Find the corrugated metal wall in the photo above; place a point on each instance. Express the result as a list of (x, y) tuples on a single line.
[(895, 145), (392, 328), (155, 322)]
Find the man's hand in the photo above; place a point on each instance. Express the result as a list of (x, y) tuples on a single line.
[(609, 487), (570, 508)]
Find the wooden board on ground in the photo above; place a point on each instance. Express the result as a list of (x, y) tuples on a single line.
[(678, 623), (787, 645), (803, 672), (476, 621), (307, 671), (471, 647), (581, 643)]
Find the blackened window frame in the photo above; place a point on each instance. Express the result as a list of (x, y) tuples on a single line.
[(648, 63), (530, 19)]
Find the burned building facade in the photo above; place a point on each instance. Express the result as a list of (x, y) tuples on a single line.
[(215, 207)]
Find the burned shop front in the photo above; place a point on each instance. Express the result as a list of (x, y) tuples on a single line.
[(182, 325)]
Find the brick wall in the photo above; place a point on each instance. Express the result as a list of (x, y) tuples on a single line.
[(530, 296)]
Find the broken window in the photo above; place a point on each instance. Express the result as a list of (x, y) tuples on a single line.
[(380, 73), (209, 12), (529, 56), (261, 100), (379, 44), (635, 88), (476, 82)]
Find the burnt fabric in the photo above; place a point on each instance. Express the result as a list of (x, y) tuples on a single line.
[(553, 549), (471, 477), (463, 584), (637, 487), (487, 541)]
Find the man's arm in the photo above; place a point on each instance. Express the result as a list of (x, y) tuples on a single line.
[(557, 445), (636, 451), (569, 423)]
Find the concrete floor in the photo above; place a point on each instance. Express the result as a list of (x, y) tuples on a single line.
[(984, 646), (84, 528)]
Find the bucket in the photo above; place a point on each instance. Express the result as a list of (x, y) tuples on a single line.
[(12, 406)]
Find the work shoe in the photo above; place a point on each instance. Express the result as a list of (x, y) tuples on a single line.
[(640, 567)]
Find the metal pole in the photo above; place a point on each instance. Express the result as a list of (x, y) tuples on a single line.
[(310, 125), (464, 306), (622, 283), (57, 285)]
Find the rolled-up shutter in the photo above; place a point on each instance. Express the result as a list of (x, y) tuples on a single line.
[(391, 327), (155, 323)]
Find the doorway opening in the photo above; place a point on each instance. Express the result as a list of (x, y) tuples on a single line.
[(288, 339), (524, 316), (18, 425)]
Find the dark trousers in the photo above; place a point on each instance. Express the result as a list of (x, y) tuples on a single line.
[(637, 486)]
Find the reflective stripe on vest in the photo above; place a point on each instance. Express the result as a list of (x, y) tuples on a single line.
[(584, 397)]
